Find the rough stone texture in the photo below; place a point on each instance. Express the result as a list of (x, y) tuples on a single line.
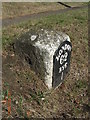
[(38, 48)]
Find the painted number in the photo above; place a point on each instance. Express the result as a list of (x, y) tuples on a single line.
[(62, 68), (63, 58)]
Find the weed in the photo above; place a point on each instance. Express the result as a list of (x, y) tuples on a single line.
[(6, 84), (76, 110), (20, 101), (81, 84), (35, 97), (40, 94), (20, 111)]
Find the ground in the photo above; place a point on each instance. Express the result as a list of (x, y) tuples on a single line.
[(10, 10), (27, 95)]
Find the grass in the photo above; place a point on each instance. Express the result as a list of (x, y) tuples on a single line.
[(19, 9), (13, 9), (5, 92), (35, 97), (81, 84), (67, 22)]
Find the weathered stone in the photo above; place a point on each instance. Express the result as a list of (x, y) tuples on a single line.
[(42, 50)]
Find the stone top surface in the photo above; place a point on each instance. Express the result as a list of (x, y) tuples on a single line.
[(48, 40)]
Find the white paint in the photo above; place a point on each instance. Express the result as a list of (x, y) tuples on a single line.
[(62, 76), (61, 69), (63, 57), (48, 45)]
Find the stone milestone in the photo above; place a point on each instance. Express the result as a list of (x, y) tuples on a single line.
[(48, 53)]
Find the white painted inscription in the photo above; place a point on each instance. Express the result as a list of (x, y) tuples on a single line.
[(62, 58)]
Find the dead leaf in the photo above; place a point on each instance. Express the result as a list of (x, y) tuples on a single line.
[(4, 101)]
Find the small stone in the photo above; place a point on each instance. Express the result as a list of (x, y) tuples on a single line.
[(43, 98), (12, 55), (20, 88), (6, 97), (16, 102)]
